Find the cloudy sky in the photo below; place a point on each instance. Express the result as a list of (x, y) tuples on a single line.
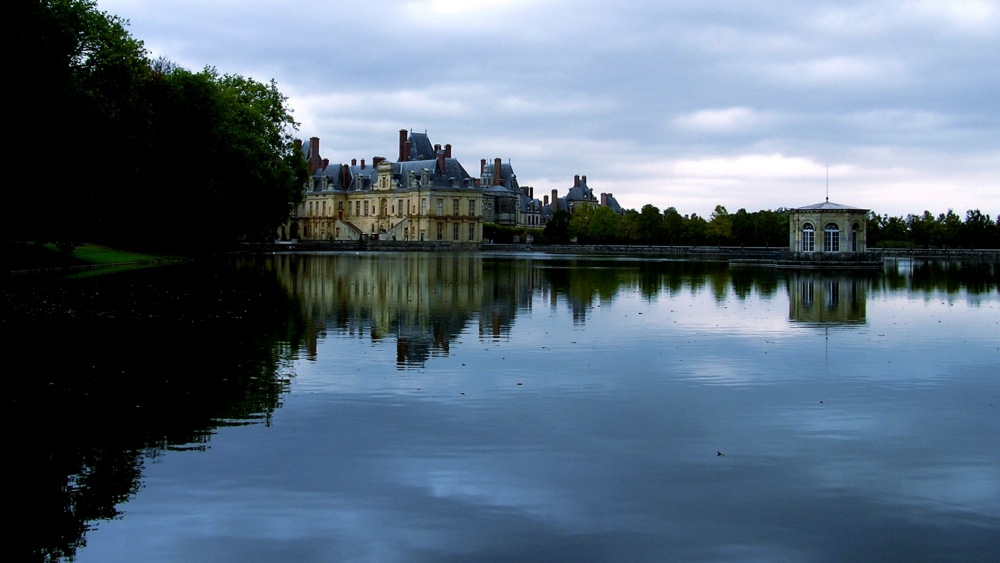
[(888, 105)]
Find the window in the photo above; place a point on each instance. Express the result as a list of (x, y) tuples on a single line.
[(808, 238), (854, 237), (440, 233), (472, 232), (440, 206), (831, 238), (832, 296), (357, 208), (366, 208), (454, 207), (454, 230), (472, 207), (399, 207)]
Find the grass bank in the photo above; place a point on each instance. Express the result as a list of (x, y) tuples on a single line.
[(27, 257)]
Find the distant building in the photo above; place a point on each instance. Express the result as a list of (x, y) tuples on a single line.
[(426, 195), (827, 228), (579, 194), (505, 202)]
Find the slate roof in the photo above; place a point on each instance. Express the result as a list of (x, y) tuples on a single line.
[(361, 179), (421, 147), (828, 206)]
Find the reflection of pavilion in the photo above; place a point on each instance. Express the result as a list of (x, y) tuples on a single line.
[(826, 298)]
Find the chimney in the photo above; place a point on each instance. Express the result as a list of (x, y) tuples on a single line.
[(326, 162), (362, 164), (497, 180), (555, 200), (576, 181), (376, 160), (313, 161), (447, 150), (440, 158), (482, 167), (604, 199), (406, 150), (545, 200), (583, 180), (402, 146), (354, 162), (345, 176)]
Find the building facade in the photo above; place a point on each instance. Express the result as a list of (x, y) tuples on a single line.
[(425, 195), (505, 202), (827, 229)]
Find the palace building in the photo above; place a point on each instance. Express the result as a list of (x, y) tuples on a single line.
[(425, 195)]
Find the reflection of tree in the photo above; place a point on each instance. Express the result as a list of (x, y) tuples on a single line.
[(974, 275), (112, 369)]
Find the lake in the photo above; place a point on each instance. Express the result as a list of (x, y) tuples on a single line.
[(503, 407)]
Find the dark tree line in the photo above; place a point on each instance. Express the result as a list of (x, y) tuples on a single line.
[(765, 228), (649, 226), (114, 147), (946, 230)]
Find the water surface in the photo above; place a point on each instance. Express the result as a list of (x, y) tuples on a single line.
[(440, 407)]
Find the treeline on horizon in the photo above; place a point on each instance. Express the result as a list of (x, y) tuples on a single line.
[(766, 228), (119, 148)]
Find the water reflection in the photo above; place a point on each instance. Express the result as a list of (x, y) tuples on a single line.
[(828, 298), (974, 275), (428, 407), (108, 371), (424, 301)]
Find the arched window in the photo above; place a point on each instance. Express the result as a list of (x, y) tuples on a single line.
[(831, 238), (808, 238)]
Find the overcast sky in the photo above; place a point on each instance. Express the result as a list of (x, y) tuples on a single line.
[(687, 104)]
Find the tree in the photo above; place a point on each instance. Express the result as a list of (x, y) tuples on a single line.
[(743, 228), (579, 224), (720, 225), (650, 224), (977, 229), (770, 227), (156, 153), (629, 231), (557, 229), (694, 230), (78, 86), (673, 226), (922, 229), (604, 226)]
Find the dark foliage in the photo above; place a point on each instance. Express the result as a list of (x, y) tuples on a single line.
[(124, 150)]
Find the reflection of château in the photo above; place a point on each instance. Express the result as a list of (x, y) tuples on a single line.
[(424, 301), (815, 297)]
